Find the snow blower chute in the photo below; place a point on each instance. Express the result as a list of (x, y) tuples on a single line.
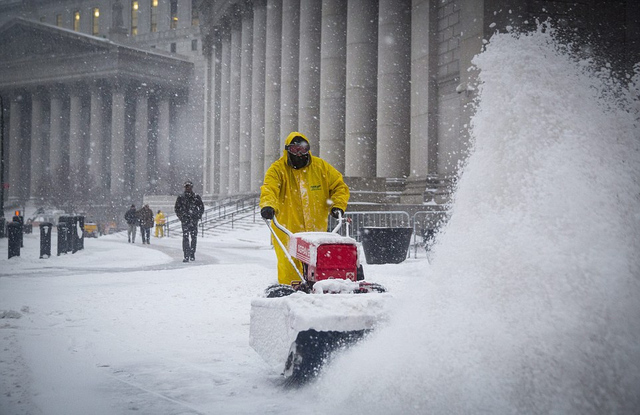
[(295, 328)]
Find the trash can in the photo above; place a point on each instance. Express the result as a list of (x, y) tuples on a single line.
[(63, 237), (386, 245), (79, 229), (70, 228), (14, 229), (20, 219), (45, 239), (3, 225)]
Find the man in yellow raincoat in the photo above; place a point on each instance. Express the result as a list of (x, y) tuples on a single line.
[(160, 219), (300, 190)]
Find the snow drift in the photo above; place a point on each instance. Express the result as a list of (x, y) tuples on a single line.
[(533, 302)]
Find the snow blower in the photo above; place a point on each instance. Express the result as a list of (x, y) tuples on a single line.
[(331, 307)]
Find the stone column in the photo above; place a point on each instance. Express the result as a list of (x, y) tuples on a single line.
[(423, 101), (361, 103), (118, 114), (245, 99), (309, 87), (225, 113), (163, 144), (17, 182), (333, 82), (76, 136), (216, 127), (207, 156), (257, 95), (56, 142), (272, 147), (394, 98), (234, 103), (38, 162), (96, 137), (290, 64), (141, 183)]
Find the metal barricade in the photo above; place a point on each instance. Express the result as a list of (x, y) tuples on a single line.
[(357, 221), (425, 226)]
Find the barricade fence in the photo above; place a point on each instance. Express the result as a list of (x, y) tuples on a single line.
[(424, 224)]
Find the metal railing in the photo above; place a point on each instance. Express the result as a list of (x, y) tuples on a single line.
[(356, 221), (219, 215), (425, 225)]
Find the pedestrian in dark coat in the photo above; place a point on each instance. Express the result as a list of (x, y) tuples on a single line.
[(145, 215), (131, 217), (189, 209)]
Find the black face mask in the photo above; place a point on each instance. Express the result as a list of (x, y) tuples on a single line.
[(298, 162)]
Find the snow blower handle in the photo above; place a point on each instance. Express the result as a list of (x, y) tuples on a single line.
[(339, 225), (285, 250)]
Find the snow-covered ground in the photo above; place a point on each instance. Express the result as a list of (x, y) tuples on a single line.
[(531, 303), (119, 328)]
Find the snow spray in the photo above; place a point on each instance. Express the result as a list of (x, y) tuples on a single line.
[(532, 302)]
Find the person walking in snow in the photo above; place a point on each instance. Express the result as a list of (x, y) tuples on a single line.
[(301, 190), (131, 217), (189, 209), (145, 215), (160, 219)]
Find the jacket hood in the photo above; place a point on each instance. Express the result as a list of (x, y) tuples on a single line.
[(290, 138)]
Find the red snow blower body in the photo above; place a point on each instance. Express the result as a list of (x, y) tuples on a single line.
[(325, 256), (296, 326)]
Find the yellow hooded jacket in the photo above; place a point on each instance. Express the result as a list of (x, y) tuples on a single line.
[(302, 199), (161, 219)]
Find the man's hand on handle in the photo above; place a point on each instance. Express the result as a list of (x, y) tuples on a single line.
[(267, 212), (337, 213)]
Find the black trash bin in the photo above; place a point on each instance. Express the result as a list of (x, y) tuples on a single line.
[(386, 245), (14, 229), (79, 222), (71, 223), (63, 237), (45, 239), (3, 226), (20, 219)]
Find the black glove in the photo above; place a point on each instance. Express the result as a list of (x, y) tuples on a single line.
[(337, 212), (267, 212)]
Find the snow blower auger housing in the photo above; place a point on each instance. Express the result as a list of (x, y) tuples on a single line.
[(296, 328)]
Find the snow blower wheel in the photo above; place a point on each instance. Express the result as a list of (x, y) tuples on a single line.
[(278, 290)]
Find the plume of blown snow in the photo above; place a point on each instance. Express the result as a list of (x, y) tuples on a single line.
[(532, 302)]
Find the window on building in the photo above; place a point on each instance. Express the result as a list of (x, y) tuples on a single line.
[(173, 14), (95, 21), (173, 48), (59, 20), (195, 15), (194, 44), (134, 17), (154, 16), (76, 21), (43, 19)]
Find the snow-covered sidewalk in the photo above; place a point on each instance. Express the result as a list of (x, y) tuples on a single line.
[(120, 327)]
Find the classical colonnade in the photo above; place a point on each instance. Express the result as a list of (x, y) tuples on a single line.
[(108, 137), (353, 75)]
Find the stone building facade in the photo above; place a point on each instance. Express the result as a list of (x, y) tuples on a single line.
[(134, 99), (381, 87), (101, 101)]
